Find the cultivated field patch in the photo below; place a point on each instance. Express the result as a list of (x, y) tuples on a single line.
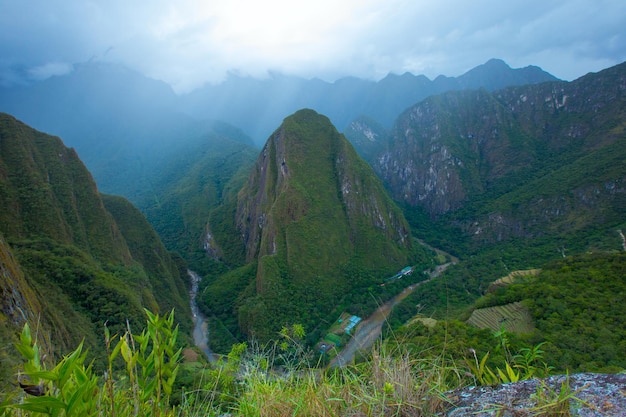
[(513, 317)]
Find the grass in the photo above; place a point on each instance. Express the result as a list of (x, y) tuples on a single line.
[(387, 385), (277, 379)]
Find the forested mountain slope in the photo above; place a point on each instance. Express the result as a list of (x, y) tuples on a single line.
[(67, 265), (315, 227), (522, 162)]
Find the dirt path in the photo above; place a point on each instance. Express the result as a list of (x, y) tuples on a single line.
[(370, 329)]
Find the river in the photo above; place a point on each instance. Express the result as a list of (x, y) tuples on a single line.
[(200, 325)]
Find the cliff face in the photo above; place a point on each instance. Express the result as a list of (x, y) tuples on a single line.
[(517, 160), (307, 172), (311, 211)]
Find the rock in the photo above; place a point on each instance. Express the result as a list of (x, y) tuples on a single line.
[(583, 395)]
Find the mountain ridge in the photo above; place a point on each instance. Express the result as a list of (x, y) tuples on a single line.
[(450, 149)]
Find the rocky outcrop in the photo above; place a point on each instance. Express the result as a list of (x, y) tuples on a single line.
[(19, 304), (582, 395), (523, 161)]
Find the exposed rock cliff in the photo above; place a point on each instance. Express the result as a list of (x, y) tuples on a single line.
[(519, 160)]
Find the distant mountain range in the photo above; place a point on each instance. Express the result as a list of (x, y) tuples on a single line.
[(258, 106), (117, 118)]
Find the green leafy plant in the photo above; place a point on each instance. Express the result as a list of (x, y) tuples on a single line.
[(71, 388), (554, 403), (521, 366), (527, 361)]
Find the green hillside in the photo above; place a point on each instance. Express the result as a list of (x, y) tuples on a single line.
[(188, 187), (69, 263), (577, 306), (510, 179), (316, 224)]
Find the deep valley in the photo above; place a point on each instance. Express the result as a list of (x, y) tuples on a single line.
[(408, 206)]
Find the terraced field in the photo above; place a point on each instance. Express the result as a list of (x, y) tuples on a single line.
[(513, 317), (514, 276)]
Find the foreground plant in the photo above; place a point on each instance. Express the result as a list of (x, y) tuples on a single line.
[(526, 364), (70, 388), (551, 402)]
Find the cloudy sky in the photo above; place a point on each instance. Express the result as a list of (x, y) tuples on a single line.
[(191, 42)]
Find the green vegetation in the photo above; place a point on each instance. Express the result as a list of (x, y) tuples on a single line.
[(68, 264), (513, 317), (576, 306), (320, 230), (572, 307), (188, 187), (166, 275), (143, 376), (72, 388)]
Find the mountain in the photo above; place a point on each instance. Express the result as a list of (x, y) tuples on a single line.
[(188, 187), (316, 229), (258, 105), (521, 162), (125, 125), (367, 136), (494, 74), (122, 124), (71, 259)]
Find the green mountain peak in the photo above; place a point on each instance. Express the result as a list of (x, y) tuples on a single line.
[(316, 224)]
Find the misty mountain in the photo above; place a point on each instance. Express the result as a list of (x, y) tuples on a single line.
[(125, 127), (105, 109), (71, 258), (257, 106), (314, 228), (142, 141)]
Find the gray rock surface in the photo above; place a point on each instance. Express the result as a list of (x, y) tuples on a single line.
[(584, 395)]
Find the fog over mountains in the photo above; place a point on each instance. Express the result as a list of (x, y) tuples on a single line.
[(103, 93), (115, 117)]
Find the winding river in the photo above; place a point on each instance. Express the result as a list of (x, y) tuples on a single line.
[(200, 332)]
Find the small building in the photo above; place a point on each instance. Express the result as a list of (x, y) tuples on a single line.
[(405, 271), (352, 321)]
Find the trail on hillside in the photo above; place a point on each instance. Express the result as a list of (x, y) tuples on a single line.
[(371, 328)]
